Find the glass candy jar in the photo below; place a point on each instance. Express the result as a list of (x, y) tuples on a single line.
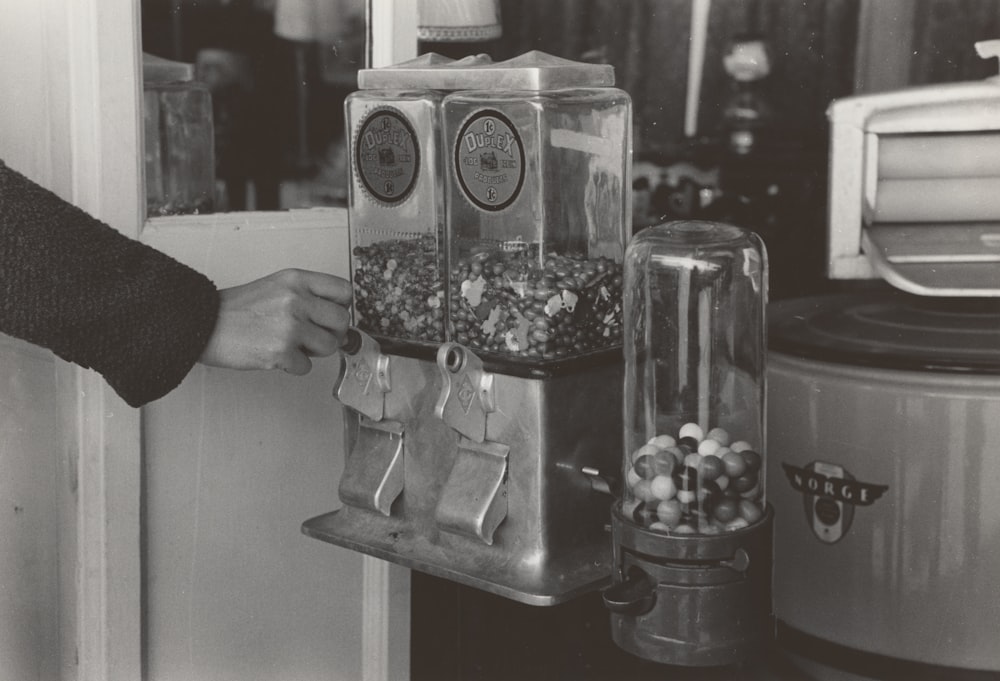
[(537, 211), (695, 297)]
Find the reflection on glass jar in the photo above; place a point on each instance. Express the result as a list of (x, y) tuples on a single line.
[(695, 297)]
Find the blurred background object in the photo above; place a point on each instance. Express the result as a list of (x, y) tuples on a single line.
[(461, 21), (179, 139)]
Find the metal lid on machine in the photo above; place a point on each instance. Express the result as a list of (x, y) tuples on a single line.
[(890, 331), (530, 71)]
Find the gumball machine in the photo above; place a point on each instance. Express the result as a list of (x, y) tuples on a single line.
[(482, 379), (692, 532)]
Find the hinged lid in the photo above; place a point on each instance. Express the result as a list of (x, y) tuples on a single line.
[(914, 176), (531, 71)]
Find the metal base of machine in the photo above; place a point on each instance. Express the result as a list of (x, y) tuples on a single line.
[(691, 600), (559, 579), (494, 481)]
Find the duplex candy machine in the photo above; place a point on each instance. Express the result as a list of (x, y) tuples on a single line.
[(483, 376)]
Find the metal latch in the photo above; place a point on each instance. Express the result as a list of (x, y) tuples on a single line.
[(467, 394), (473, 502), (373, 472), (364, 380)]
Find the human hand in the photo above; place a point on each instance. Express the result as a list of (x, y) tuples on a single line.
[(279, 322)]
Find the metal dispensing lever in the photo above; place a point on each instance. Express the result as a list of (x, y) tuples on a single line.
[(635, 595), (373, 471), (364, 380), (473, 500), (467, 395)]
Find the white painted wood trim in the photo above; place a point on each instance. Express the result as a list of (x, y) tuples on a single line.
[(385, 642), (101, 553), (101, 472), (392, 31)]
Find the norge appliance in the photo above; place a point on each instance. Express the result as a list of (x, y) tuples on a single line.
[(884, 403)]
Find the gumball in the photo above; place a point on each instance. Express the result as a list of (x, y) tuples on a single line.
[(754, 492), (644, 514), (643, 466), (662, 441), (750, 511), (659, 527), (631, 478), (745, 482), (734, 464), (709, 493), (686, 478), (723, 482), (669, 512), (686, 496), (689, 442), (726, 510), (752, 458), (692, 460), (662, 487), (720, 435), (710, 527), (710, 467), (629, 506), (684, 529), (692, 430), (740, 445), (737, 524), (643, 490), (678, 453), (645, 450), (708, 446), (664, 463)]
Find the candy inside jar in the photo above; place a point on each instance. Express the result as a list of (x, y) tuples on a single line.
[(510, 301), (694, 314), (399, 289), (694, 482)]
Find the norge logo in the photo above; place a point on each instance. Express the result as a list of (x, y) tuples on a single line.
[(830, 494)]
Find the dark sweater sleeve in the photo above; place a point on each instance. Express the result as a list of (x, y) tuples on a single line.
[(95, 297)]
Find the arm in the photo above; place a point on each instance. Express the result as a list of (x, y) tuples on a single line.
[(72, 284)]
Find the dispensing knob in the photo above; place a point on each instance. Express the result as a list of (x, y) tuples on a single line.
[(599, 482), (635, 595), (739, 562), (364, 377), (467, 393)]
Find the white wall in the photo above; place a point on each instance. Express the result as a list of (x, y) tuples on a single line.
[(234, 463), (29, 572), (29, 447)]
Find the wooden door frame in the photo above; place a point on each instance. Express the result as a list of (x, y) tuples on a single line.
[(101, 560)]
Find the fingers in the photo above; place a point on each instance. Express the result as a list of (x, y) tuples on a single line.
[(318, 341), (279, 322), (333, 317), (297, 363), (325, 286)]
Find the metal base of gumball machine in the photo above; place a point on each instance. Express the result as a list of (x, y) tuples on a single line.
[(691, 600)]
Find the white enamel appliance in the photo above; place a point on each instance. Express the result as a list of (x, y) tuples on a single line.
[(884, 405)]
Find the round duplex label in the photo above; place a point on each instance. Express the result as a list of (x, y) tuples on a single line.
[(387, 156), (489, 160)]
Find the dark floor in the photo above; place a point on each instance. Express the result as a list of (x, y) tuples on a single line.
[(464, 634)]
